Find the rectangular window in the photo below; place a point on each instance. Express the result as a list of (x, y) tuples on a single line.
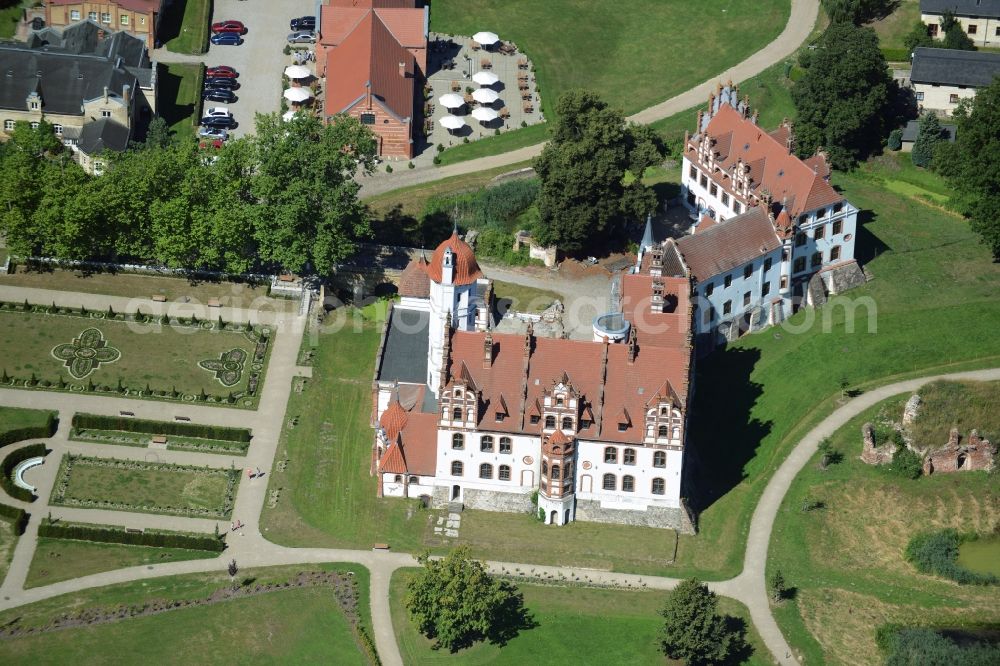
[(728, 281), (972, 29), (835, 253), (105, 113), (124, 19), (98, 168), (92, 16), (703, 181), (820, 232), (142, 20), (737, 207), (838, 226), (747, 271), (746, 299), (783, 283), (505, 445), (997, 32), (725, 199), (709, 287), (708, 316), (765, 289), (920, 96), (367, 118), (727, 307), (800, 240), (714, 190), (953, 98), (933, 29), (693, 173), (8, 125), (34, 125), (800, 265), (74, 15), (105, 17), (767, 264), (628, 457), (817, 259), (58, 129), (535, 419), (34, 106)]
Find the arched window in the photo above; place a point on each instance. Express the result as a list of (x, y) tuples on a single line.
[(568, 471), (486, 443), (504, 473), (609, 482), (456, 468), (659, 486), (662, 431), (545, 467), (676, 433), (556, 472), (567, 423), (628, 456), (456, 414), (610, 454), (550, 422), (486, 471), (398, 478), (506, 445), (628, 483), (458, 441), (660, 459), (414, 479), (559, 401)]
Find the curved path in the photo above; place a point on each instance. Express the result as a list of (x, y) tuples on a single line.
[(251, 549), (801, 21)]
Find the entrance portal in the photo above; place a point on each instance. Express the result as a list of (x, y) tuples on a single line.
[(456, 491), (553, 517)]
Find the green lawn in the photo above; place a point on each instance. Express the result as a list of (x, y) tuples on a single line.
[(894, 28), (962, 405), (162, 357), (179, 95), (631, 56), (523, 299), (575, 625), (846, 560), (187, 32), (64, 559), (8, 540), (291, 626), (14, 418), (494, 145), (150, 487), (9, 18)]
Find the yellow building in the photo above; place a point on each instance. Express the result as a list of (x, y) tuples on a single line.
[(980, 19), (136, 17)]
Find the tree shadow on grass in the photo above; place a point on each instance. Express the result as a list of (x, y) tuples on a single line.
[(511, 619), (726, 433), (737, 627), (169, 85)]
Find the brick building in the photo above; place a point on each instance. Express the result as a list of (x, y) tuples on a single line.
[(597, 427), (136, 17), (373, 56)]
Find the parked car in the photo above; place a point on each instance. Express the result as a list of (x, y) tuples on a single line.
[(222, 72), (302, 37), (218, 95), (220, 111), (230, 26), (220, 122), (303, 23), (229, 84), (213, 132), (226, 39)]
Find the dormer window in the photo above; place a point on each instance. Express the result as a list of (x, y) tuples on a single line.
[(534, 419)]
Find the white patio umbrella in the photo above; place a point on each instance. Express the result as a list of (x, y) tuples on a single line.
[(298, 94), (451, 101), (485, 96), (451, 122), (485, 78), (486, 38), (297, 72), (483, 114)]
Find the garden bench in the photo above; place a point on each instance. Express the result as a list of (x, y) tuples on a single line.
[(214, 303), (159, 298), (182, 418), (159, 439), (380, 546), (134, 530), (123, 413)]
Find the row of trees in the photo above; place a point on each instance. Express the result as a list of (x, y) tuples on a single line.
[(282, 199)]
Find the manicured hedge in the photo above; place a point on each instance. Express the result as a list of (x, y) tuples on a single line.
[(126, 424), (12, 461), (207, 542), (937, 553), (17, 515), (29, 432)]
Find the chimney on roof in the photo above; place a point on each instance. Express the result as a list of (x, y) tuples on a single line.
[(701, 116), (488, 350), (105, 94), (402, 69), (656, 298), (127, 94), (633, 346), (529, 334)]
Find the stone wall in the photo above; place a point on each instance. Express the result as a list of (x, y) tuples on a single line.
[(491, 500), (871, 454), (591, 511), (974, 454)]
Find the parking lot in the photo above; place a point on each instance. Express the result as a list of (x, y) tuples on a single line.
[(259, 59)]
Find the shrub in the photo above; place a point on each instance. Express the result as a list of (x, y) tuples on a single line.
[(207, 542), (411, 165), (906, 463), (922, 645), (99, 422), (7, 470), (895, 139), (492, 205), (937, 553), (20, 434), (18, 517), (388, 168)]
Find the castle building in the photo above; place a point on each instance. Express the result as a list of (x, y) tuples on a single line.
[(771, 232), (596, 429)]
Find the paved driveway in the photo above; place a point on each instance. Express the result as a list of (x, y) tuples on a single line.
[(259, 60)]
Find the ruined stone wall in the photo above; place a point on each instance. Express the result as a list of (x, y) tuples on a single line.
[(676, 519), (972, 455), (872, 454)]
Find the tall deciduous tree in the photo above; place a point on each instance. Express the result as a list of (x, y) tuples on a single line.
[(918, 36), (929, 135), (456, 602), (694, 632), (845, 96), (954, 34), (583, 171), (858, 11)]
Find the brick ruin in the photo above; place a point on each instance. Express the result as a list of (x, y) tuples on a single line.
[(957, 455)]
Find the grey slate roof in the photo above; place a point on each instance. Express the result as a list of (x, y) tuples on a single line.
[(405, 356), (70, 67), (913, 127), (954, 68), (101, 135), (989, 8)]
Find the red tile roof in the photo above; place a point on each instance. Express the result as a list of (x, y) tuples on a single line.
[(466, 268), (772, 167), (414, 281), (419, 439), (393, 420), (369, 4), (393, 461), (728, 245), (369, 56), (406, 25)]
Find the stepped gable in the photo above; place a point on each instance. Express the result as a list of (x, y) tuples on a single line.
[(670, 327), (728, 245), (773, 170), (414, 281), (466, 267)]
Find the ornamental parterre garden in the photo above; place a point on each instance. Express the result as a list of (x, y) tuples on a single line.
[(136, 355)]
